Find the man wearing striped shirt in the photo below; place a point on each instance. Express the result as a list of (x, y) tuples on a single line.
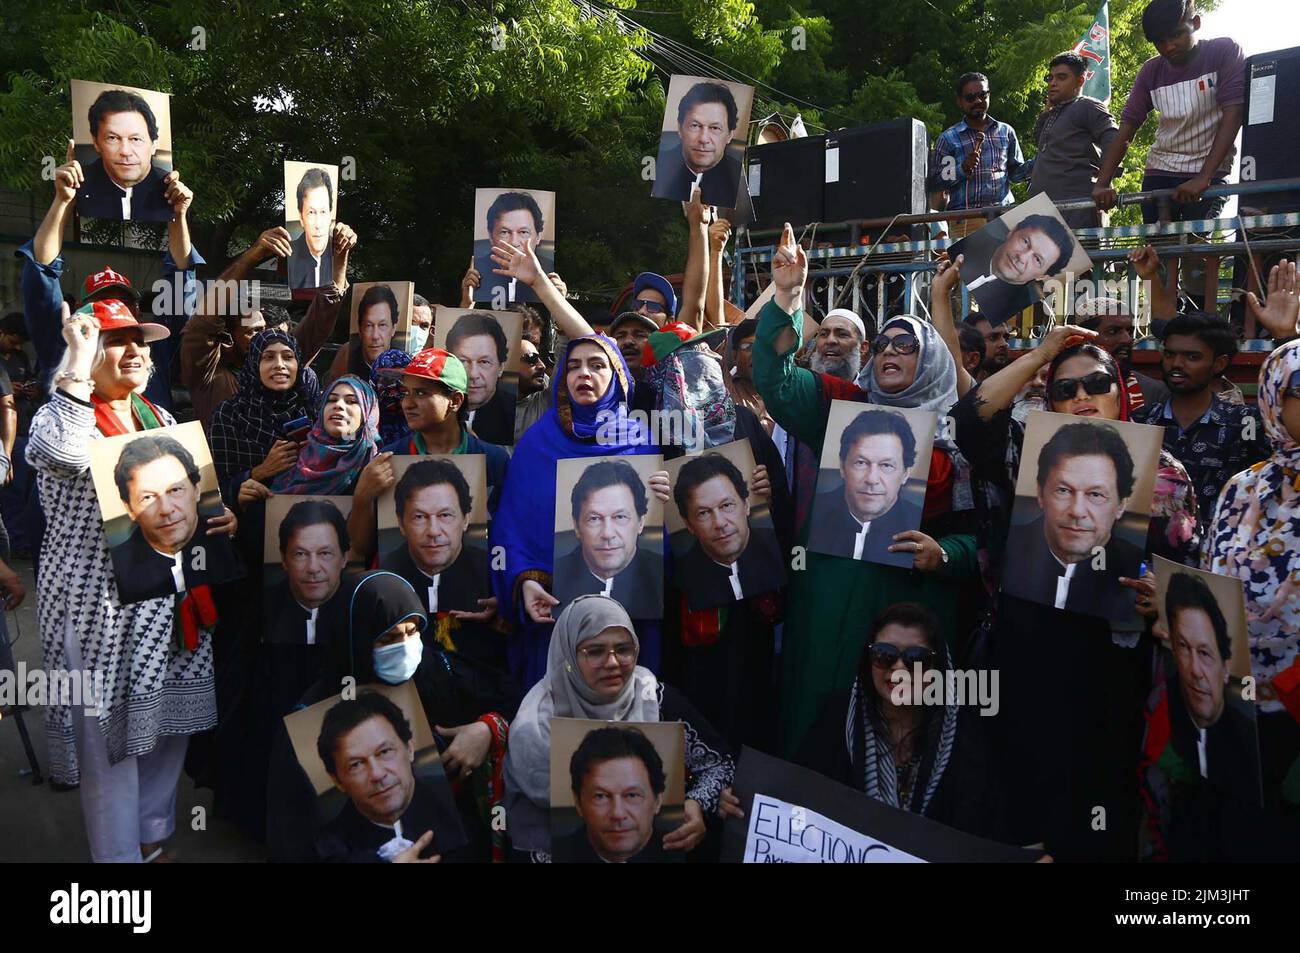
[(1199, 89), (976, 160)]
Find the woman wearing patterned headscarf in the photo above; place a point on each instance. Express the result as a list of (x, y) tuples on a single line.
[(686, 379), (588, 417), (1256, 538), (341, 443), (388, 389), (247, 430)]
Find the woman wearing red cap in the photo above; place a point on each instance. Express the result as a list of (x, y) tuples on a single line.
[(127, 746)]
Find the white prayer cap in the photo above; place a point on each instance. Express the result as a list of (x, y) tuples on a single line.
[(849, 316)]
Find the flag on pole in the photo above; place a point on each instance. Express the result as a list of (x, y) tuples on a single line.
[(1094, 47)]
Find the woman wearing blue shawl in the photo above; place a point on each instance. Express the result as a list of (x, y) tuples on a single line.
[(588, 417)]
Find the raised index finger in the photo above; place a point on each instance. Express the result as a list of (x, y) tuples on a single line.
[(72, 151)]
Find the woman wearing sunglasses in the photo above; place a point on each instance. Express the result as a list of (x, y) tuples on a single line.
[(1071, 689), (830, 596), (1084, 380), (927, 759)]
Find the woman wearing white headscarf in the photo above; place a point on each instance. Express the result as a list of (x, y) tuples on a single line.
[(591, 672)]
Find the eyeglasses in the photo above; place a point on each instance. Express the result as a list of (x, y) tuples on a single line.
[(884, 655), (905, 343), (654, 307), (976, 97), (1096, 384), (746, 347), (596, 654), (533, 358)]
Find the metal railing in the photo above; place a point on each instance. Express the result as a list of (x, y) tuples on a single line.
[(888, 278)]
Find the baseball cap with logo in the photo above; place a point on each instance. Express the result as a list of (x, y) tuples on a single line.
[(435, 364), (113, 315), (107, 279)]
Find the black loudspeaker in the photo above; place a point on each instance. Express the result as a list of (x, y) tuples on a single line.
[(1270, 138), (785, 182), (876, 171)]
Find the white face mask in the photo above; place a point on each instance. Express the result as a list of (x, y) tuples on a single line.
[(416, 339), (397, 662)]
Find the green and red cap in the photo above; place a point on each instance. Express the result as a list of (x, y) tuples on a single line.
[(435, 364), (672, 336)]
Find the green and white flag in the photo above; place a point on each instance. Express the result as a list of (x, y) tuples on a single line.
[(1094, 47)]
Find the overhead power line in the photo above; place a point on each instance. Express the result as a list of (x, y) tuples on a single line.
[(686, 59)]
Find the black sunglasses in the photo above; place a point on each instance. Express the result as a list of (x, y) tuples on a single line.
[(533, 358), (654, 307), (905, 343), (975, 97), (1096, 384), (884, 655)]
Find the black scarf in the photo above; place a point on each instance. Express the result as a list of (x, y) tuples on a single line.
[(246, 426)]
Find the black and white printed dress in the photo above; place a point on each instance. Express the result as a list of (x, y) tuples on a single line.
[(151, 687)]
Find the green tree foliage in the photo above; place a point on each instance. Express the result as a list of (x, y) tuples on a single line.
[(433, 98)]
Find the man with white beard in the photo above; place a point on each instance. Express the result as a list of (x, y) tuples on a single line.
[(840, 345)]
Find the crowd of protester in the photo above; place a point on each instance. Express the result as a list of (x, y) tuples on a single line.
[(803, 671)]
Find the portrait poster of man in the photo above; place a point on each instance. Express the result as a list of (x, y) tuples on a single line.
[(511, 217), (871, 483), (374, 765), (304, 555), (157, 489), (1211, 726), (609, 533), (705, 128), (381, 316), (490, 345), (433, 526), (122, 136), (1079, 521), (724, 544), (1006, 260), (796, 816), (617, 789), (311, 203)]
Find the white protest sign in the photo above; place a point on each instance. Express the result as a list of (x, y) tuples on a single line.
[(783, 833)]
